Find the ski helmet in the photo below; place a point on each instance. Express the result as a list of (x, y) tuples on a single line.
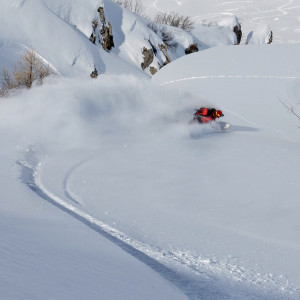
[(219, 113)]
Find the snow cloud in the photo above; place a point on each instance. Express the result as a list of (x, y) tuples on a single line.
[(76, 111)]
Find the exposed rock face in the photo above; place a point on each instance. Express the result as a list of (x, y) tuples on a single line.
[(93, 38), (107, 37), (101, 14), (164, 49), (153, 47), (148, 58), (191, 49), (270, 38), (238, 32), (94, 74), (104, 34), (152, 70), (152, 53)]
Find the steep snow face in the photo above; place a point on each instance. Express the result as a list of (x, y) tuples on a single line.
[(60, 33), (53, 42), (10, 53), (130, 32), (76, 13), (60, 43)]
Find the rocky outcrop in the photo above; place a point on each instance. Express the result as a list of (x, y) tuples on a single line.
[(93, 38), (233, 23), (262, 34), (152, 70), (191, 49), (101, 14), (164, 49), (238, 32), (148, 58), (270, 38), (94, 74), (102, 34), (107, 37), (152, 53)]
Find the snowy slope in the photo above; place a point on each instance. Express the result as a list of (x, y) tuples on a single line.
[(59, 41), (222, 204), (281, 15), (46, 254), (107, 191), (60, 33)]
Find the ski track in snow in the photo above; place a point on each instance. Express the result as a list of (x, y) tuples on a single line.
[(247, 8), (280, 11), (239, 76), (228, 76), (155, 6), (195, 276)]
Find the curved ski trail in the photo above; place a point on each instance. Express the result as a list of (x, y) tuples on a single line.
[(195, 276)]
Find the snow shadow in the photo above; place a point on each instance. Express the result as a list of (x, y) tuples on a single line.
[(243, 128), (198, 131), (114, 14), (201, 131)]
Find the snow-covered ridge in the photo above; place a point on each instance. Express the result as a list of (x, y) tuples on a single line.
[(64, 30)]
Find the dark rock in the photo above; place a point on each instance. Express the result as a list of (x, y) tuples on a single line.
[(153, 47), (270, 38), (191, 49), (94, 74), (164, 49), (93, 38), (152, 70), (148, 58), (95, 25), (101, 13), (107, 37), (102, 35), (238, 32)]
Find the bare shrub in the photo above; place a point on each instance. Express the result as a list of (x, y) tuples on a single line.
[(291, 109), (30, 68), (135, 6), (186, 23), (166, 35), (7, 83), (174, 19), (153, 26), (7, 80), (168, 38)]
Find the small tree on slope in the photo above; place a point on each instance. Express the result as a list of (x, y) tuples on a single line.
[(30, 68)]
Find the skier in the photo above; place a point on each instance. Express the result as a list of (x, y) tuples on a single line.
[(205, 115)]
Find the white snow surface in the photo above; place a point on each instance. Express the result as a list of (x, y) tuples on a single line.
[(107, 191), (281, 15)]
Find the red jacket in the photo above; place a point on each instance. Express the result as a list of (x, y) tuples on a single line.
[(205, 115)]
